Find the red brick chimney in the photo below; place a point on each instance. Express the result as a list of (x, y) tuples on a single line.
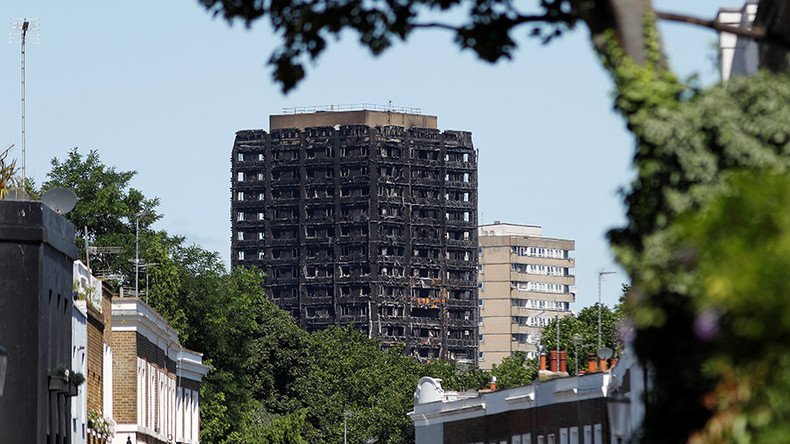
[(564, 362), (553, 358)]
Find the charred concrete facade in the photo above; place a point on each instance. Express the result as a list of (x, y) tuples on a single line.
[(365, 224)]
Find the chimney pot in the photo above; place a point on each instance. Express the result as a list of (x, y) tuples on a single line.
[(542, 361), (602, 366), (564, 362), (592, 366)]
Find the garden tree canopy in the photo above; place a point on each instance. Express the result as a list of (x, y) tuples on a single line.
[(515, 371), (107, 204), (684, 156), (485, 26), (456, 376)]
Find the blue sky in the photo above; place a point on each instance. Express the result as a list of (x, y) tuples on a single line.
[(161, 88)]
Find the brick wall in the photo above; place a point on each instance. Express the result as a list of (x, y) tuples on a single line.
[(124, 381), (106, 307), (544, 420), (154, 355), (95, 376)]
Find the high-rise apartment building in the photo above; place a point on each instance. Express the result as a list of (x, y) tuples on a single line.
[(738, 56), (366, 218), (524, 281)]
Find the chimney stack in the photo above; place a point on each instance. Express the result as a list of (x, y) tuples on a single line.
[(554, 360)]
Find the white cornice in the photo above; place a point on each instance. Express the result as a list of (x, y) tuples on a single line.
[(535, 395), (132, 314), (190, 365)]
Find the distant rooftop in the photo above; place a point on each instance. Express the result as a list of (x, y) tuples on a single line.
[(505, 229), (355, 114)]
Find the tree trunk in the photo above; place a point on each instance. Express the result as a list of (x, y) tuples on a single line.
[(774, 16), (625, 18)]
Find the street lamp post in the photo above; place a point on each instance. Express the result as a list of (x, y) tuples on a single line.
[(148, 265), (345, 426), (558, 341), (137, 252), (618, 408), (601, 274)]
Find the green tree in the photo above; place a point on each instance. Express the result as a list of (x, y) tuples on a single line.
[(455, 376), (515, 371), (107, 203), (7, 174), (737, 278), (347, 373), (107, 206), (618, 29)]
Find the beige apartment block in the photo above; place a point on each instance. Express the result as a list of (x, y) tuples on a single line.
[(524, 281)]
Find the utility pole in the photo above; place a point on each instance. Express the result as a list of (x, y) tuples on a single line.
[(601, 274), (147, 267)]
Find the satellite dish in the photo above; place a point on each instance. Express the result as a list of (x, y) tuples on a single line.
[(605, 352), (62, 200)]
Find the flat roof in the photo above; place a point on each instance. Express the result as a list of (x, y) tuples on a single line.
[(366, 117), (505, 229)]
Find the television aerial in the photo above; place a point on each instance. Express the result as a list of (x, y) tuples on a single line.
[(61, 200), (604, 352)]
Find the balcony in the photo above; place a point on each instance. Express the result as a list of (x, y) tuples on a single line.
[(466, 342), (543, 278), (524, 329), (554, 262)]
